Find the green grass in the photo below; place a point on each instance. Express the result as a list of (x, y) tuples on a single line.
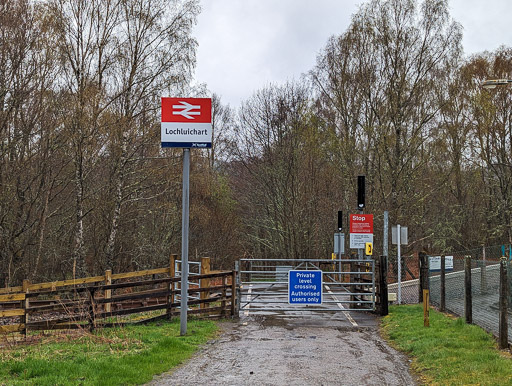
[(117, 356), (449, 352)]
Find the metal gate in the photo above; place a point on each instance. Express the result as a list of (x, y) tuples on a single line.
[(348, 285)]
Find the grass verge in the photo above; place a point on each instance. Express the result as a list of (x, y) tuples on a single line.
[(117, 356), (449, 352)]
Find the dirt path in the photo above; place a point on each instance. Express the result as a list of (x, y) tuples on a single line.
[(266, 351)]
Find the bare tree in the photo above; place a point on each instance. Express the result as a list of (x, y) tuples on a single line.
[(27, 152), (156, 54), (278, 173), (492, 124), (379, 82)]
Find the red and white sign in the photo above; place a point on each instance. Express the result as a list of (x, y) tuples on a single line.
[(186, 122), (361, 230), (361, 223)]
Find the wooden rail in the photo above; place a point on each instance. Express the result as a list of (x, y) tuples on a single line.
[(93, 301), (87, 280)]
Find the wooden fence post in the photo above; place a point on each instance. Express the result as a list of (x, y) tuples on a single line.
[(108, 293), (423, 266), (468, 303), (224, 295), (25, 305), (204, 283), (426, 308), (503, 324), (383, 286), (442, 307)]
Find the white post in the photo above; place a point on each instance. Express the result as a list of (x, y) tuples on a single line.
[(399, 265), (339, 253), (483, 270), (184, 242)]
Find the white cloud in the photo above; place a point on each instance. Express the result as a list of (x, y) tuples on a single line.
[(246, 44), (486, 23)]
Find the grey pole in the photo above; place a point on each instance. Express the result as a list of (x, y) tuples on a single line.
[(399, 260), (340, 241), (184, 242), (385, 245)]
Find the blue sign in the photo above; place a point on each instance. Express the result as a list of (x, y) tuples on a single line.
[(305, 287), (200, 145)]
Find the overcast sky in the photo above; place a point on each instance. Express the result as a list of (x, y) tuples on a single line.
[(246, 44)]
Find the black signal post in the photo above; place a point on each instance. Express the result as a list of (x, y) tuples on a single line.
[(361, 194)]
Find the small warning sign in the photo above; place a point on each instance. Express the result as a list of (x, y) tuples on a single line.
[(369, 249)]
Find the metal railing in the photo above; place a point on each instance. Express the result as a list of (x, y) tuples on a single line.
[(194, 269), (264, 285)]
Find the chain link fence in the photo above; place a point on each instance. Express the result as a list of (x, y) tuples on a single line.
[(485, 282), (409, 273)]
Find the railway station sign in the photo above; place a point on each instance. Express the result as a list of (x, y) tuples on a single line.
[(186, 122), (361, 230), (305, 287)]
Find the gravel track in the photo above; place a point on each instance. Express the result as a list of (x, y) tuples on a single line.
[(274, 351)]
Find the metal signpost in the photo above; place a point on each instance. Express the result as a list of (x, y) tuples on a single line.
[(339, 248), (385, 237), (339, 240), (399, 237), (186, 123)]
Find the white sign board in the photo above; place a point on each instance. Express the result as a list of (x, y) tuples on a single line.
[(403, 235), (435, 263), (339, 243), (186, 122), (361, 230), (359, 240)]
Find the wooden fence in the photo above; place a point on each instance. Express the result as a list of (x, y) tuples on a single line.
[(101, 301)]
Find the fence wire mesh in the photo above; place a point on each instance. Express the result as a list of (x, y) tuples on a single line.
[(485, 282), (410, 279)]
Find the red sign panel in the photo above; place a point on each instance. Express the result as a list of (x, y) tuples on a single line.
[(187, 110), (361, 223)]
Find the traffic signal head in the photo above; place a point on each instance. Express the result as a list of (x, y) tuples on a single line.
[(360, 192)]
